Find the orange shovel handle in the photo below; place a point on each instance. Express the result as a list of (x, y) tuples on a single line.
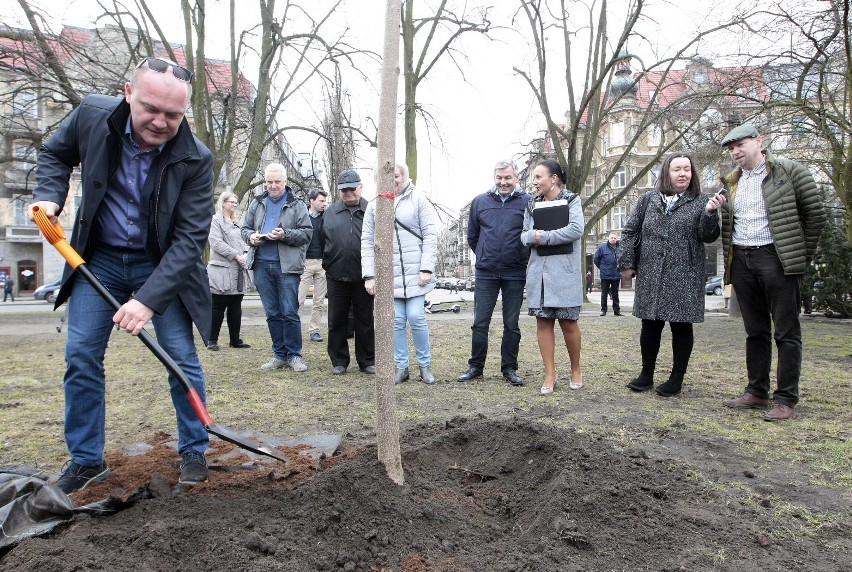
[(56, 236)]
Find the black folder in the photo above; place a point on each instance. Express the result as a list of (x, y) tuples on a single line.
[(550, 215)]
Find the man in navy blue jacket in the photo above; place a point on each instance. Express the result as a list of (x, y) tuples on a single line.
[(606, 259), (494, 235), (147, 202)]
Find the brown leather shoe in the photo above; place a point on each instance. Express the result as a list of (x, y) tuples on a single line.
[(780, 412), (747, 401)]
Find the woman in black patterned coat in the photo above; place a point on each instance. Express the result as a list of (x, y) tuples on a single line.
[(671, 223)]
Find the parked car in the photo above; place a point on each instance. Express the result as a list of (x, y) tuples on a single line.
[(713, 286), (48, 292), (470, 284)]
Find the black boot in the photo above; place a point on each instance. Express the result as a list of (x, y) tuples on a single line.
[(671, 387), (642, 383)]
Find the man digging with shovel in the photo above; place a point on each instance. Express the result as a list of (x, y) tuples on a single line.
[(147, 202)]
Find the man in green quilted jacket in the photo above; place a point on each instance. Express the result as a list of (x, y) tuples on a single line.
[(771, 222)]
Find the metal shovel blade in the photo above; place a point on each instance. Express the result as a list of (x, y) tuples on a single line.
[(244, 442)]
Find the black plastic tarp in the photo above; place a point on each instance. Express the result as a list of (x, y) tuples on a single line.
[(31, 506)]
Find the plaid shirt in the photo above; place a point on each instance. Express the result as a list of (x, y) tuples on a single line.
[(751, 222)]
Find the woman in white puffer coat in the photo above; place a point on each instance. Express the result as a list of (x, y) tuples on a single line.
[(415, 243)]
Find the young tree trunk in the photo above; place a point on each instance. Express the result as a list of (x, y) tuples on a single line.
[(387, 425)]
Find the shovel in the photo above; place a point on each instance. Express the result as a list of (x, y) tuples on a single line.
[(56, 236)]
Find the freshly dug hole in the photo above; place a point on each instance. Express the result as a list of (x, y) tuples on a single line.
[(480, 495)]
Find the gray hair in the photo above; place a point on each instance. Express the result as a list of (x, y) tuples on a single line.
[(275, 168), (505, 165)]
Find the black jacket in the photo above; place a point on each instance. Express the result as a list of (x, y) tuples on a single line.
[(341, 231), (181, 201), (494, 235)]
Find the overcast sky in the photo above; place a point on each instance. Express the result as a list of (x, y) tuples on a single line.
[(484, 115)]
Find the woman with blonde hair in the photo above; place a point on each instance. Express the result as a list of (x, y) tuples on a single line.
[(226, 271), (415, 245)]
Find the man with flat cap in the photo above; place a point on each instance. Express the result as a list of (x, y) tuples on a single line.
[(771, 222), (341, 259)]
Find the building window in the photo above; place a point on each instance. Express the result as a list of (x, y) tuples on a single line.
[(619, 217), (616, 138), (24, 103), (23, 154), (655, 135), (588, 188), (619, 180), (21, 206)]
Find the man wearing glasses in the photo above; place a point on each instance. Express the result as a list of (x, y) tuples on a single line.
[(341, 258), (147, 201)]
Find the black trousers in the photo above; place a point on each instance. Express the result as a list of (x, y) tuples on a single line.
[(342, 295), (610, 287), (768, 297), (649, 343), (230, 305)]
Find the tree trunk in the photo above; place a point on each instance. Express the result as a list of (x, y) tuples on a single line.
[(410, 92), (387, 425)]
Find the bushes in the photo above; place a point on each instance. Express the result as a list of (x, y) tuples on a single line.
[(832, 273)]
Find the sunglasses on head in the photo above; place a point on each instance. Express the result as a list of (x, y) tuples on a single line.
[(162, 66)]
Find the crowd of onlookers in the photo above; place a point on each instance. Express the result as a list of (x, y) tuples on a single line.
[(527, 246)]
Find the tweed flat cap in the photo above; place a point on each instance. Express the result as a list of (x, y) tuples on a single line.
[(348, 179), (740, 132)]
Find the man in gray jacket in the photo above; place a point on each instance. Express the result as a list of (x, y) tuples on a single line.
[(278, 229), (770, 228)]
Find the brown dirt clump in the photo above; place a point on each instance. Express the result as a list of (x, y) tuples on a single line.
[(480, 495)]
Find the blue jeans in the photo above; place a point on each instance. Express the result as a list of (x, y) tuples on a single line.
[(767, 296), (279, 293), (484, 300), (89, 328), (413, 311)]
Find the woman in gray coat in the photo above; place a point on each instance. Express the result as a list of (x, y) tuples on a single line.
[(226, 271), (555, 281), (415, 243), (671, 225)]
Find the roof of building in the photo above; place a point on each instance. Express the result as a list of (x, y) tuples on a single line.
[(19, 54)]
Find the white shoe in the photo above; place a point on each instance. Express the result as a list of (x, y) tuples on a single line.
[(548, 390), (297, 363), (274, 363)]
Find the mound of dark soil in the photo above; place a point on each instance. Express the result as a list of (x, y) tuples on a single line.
[(479, 495)]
